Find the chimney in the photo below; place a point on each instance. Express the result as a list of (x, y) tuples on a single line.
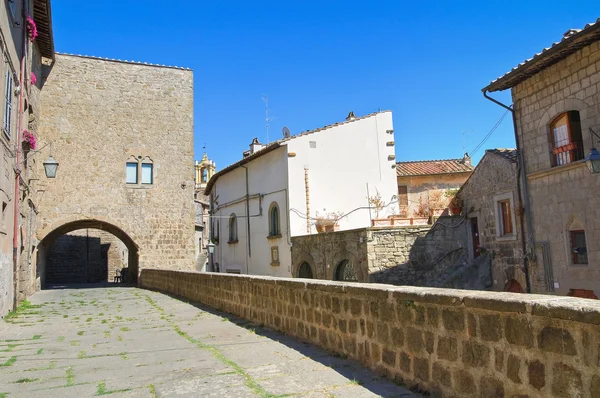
[(350, 117), (255, 146), (466, 159)]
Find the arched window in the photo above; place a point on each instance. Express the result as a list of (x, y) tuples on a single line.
[(274, 224), (304, 271), (233, 235), (566, 138), (346, 271)]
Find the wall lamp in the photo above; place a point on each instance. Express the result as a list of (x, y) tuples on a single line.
[(50, 165), (592, 160)]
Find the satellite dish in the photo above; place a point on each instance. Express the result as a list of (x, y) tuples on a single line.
[(286, 132)]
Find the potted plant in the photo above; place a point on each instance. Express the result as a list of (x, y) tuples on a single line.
[(31, 29), (327, 222), (29, 140), (456, 205)]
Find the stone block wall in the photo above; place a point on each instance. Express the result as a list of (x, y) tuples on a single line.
[(85, 256), (562, 198), (418, 255), (448, 342), (495, 177), (100, 114)]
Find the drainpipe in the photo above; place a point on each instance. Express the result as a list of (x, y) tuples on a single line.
[(248, 220), (16, 196), (522, 192)]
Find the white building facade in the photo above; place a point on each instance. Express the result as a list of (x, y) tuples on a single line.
[(289, 187)]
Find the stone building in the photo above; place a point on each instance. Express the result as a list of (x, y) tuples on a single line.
[(23, 57), (203, 172), (556, 102), (123, 135), (490, 203), (425, 187)]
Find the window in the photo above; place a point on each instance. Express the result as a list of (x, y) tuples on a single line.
[(506, 227), (304, 271), (274, 225), (13, 10), (505, 217), (8, 89), (233, 271), (402, 195), (132, 173), (346, 271), (233, 235), (147, 174), (578, 248), (567, 142)]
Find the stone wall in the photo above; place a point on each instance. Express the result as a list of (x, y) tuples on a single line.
[(448, 342), (85, 256), (494, 178), (419, 255), (562, 198), (100, 114)]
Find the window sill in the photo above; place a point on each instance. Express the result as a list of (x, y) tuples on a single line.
[(579, 265), (556, 169), (138, 186), (231, 242), (270, 237), (275, 264)]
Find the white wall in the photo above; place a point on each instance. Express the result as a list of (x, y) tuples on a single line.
[(267, 178), (346, 159)]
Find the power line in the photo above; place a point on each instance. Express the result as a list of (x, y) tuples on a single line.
[(488, 135)]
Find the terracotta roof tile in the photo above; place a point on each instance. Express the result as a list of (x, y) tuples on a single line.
[(432, 167)]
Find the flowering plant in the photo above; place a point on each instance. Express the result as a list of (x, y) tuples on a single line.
[(33, 78), (31, 29), (29, 138)]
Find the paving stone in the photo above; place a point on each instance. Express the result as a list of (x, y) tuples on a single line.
[(136, 343)]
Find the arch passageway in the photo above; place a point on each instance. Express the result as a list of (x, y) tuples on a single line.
[(87, 251)]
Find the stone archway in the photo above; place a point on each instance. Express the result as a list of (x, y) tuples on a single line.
[(48, 237)]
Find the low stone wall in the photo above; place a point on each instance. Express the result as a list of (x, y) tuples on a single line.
[(448, 342)]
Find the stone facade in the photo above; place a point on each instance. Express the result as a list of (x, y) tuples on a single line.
[(494, 180), (17, 269), (447, 342), (418, 255), (99, 115), (562, 198), (85, 256)]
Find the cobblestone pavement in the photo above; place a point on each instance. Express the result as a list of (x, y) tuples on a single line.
[(129, 342)]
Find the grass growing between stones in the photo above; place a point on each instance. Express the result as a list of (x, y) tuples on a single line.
[(26, 380), (3, 394), (39, 351), (9, 362), (103, 391), (249, 381), (24, 308), (70, 377)]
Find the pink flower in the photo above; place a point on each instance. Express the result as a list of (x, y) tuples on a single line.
[(33, 78), (29, 138), (31, 29)]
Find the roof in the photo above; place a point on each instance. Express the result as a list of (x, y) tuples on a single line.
[(274, 145), (42, 14), (572, 40), (124, 61), (509, 154), (432, 167)]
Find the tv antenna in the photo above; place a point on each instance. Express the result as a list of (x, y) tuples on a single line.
[(286, 132), (268, 118)]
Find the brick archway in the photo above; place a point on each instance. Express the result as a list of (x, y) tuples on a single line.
[(48, 237)]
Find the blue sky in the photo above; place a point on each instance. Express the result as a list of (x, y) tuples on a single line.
[(317, 60)]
